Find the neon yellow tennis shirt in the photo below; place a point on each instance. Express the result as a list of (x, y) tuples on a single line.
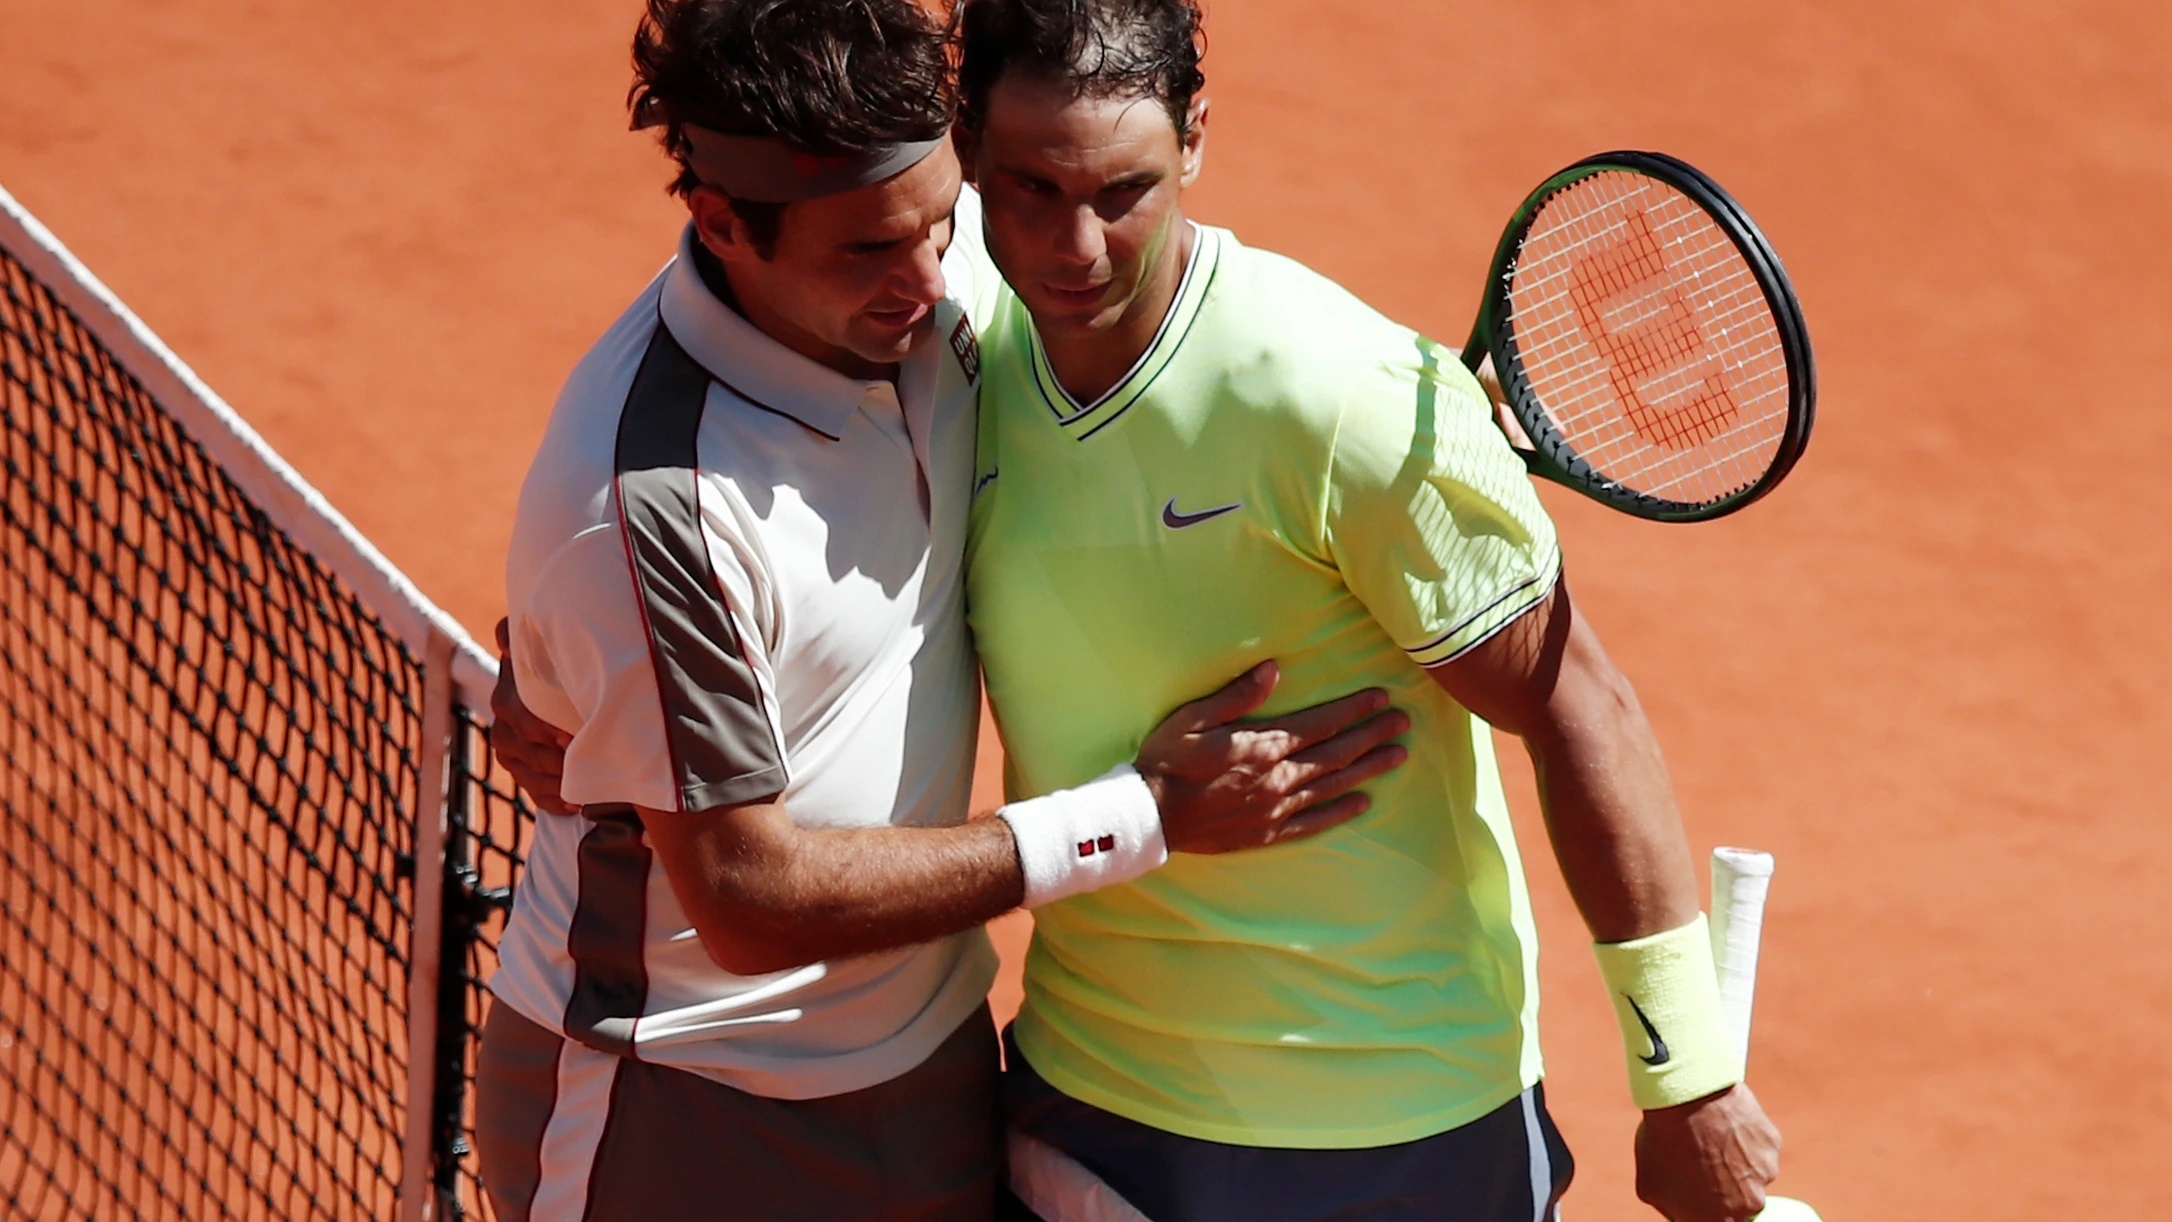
[(1286, 474)]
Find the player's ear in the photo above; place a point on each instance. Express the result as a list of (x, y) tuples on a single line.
[(718, 227), (1195, 142)]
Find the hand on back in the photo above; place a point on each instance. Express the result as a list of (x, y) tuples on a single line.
[(530, 748)]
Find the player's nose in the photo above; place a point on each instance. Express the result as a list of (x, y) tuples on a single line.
[(920, 279), (1080, 239)]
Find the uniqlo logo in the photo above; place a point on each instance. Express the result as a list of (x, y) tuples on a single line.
[(1105, 844), (967, 347)]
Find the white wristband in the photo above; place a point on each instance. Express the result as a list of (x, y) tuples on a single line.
[(1075, 840)]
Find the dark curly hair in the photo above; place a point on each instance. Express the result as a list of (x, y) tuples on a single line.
[(1103, 48), (833, 77)]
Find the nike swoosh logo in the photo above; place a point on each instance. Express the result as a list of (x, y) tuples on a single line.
[(1178, 521), (1660, 1055)]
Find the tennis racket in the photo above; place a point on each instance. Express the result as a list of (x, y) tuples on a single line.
[(1647, 340), (1740, 880)]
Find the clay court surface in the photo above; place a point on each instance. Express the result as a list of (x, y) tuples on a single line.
[(1930, 673)]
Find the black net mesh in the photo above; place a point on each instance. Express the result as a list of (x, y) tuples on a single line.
[(207, 894)]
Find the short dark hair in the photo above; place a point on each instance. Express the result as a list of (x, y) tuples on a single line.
[(1102, 48), (834, 77)]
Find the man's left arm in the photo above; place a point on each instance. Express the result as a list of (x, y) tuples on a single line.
[(1434, 524), (1617, 833)]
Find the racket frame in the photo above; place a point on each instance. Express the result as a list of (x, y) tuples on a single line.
[(1552, 456)]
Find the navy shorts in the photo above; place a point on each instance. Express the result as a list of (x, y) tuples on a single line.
[(1509, 1165)]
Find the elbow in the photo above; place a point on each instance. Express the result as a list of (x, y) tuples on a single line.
[(745, 948), (756, 961), (738, 880), (1613, 697), (1590, 703)]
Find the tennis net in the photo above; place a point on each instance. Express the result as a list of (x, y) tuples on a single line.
[(254, 858)]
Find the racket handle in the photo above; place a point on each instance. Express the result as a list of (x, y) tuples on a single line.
[(1740, 879)]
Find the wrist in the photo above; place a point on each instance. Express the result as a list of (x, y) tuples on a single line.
[(1675, 1040), (1072, 841), (1157, 786), (1683, 1111)]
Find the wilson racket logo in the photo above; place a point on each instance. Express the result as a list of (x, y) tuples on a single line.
[(1671, 384)]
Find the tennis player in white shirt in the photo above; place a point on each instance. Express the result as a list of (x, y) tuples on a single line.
[(754, 972)]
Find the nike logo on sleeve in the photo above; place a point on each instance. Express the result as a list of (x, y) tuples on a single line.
[(1178, 521)]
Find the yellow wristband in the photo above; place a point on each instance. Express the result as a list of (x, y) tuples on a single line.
[(1674, 1030)]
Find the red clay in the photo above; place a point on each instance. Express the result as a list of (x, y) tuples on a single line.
[(1928, 673)]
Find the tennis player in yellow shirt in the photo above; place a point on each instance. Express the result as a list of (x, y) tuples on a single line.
[(1195, 455)]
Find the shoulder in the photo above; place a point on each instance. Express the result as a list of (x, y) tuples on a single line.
[(1279, 287), (1378, 392), (1293, 340), (567, 490)]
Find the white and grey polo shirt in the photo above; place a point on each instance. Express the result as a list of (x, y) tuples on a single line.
[(736, 574)]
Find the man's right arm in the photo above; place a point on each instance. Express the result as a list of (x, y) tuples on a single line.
[(765, 895)]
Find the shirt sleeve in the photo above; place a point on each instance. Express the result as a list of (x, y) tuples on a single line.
[(1428, 512), (662, 682)]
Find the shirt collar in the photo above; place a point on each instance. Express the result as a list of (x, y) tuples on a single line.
[(747, 360)]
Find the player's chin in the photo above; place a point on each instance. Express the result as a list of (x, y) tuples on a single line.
[(888, 337), (1075, 314)]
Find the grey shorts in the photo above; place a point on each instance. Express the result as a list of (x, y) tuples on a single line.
[(565, 1133)]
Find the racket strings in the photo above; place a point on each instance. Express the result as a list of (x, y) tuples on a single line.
[(1649, 411), (1659, 335), (1646, 336), (1628, 306), (1656, 411)]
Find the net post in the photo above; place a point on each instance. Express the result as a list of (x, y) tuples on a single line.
[(425, 956)]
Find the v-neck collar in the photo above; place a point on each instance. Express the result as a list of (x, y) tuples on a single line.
[(1084, 420)]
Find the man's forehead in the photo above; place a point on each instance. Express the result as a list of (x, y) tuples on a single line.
[(893, 210), (1053, 117)]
